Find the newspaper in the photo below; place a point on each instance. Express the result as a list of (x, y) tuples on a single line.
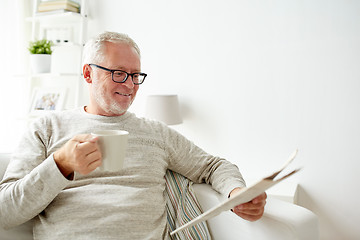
[(243, 196)]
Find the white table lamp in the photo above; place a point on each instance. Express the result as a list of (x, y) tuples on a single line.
[(164, 108)]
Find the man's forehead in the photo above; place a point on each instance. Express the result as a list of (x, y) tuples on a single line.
[(119, 45), (122, 56)]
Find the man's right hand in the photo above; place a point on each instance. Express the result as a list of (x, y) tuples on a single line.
[(81, 154)]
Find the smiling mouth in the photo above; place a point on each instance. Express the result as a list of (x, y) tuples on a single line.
[(123, 94)]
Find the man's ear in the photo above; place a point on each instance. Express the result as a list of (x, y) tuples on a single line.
[(87, 73)]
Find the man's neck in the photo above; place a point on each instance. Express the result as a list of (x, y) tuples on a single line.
[(89, 110)]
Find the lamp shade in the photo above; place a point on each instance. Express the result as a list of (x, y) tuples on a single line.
[(164, 108)]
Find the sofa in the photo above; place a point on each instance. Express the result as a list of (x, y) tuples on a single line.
[(282, 220)]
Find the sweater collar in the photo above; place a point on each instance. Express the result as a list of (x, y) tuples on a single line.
[(126, 115)]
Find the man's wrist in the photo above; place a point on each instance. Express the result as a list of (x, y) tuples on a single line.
[(69, 174), (234, 191)]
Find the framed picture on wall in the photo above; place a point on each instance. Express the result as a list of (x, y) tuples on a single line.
[(47, 99)]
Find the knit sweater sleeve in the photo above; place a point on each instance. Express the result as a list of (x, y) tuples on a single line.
[(32, 179), (191, 161)]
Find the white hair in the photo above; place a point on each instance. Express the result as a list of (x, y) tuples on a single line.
[(93, 49)]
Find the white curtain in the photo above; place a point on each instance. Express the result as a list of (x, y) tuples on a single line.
[(15, 34)]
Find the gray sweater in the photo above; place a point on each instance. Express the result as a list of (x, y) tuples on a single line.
[(128, 204)]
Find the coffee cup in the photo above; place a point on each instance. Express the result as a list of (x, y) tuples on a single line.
[(113, 145)]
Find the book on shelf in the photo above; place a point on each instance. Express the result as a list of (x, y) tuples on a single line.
[(52, 12), (60, 2), (59, 5)]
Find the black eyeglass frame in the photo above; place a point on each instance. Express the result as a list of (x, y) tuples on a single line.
[(127, 74)]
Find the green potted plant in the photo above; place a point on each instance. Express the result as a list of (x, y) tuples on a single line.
[(40, 57)]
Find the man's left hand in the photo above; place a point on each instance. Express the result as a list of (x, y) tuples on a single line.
[(252, 210)]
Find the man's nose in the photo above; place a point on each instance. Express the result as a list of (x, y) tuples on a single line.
[(129, 83)]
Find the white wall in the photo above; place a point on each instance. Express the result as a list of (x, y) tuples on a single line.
[(256, 80)]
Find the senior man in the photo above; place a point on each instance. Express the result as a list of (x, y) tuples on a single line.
[(54, 178)]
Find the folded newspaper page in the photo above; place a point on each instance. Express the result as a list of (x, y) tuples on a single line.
[(243, 196)]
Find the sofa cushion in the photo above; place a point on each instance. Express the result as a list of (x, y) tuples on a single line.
[(4, 161), (182, 206)]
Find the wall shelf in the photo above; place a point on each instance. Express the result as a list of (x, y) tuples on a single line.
[(66, 30), (46, 75), (67, 16)]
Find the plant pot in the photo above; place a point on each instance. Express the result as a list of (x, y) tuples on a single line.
[(40, 63)]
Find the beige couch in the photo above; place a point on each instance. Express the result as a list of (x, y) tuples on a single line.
[(282, 220)]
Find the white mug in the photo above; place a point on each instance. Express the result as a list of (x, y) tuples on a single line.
[(113, 145)]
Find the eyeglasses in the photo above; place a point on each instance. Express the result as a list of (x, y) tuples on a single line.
[(120, 76)]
